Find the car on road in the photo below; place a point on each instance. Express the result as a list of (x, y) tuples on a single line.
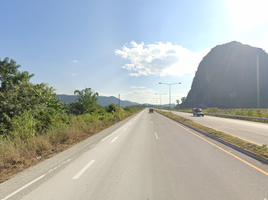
[(198, 112), (151, 110)]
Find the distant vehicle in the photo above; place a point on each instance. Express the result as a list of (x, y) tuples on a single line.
[(151, 110), (198, 112)]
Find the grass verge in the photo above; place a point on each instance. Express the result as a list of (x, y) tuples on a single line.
[(260, 151), (18, 153)]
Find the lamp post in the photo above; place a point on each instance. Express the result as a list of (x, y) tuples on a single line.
[(169, 92), (156, 102), (160, 98)]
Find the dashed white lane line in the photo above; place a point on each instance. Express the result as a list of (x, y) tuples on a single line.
[(114, 139), (83, 169), (125, 129), (123, 126), (156, 135), (25, 186), (229, 127), (152, 122)]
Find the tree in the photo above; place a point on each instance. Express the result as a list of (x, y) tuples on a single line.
[(178, 101), (86, 101), (110, 108), (183, 99), (18, 96)]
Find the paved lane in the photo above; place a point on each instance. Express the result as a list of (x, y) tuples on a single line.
[(254, 132), (151, 157)]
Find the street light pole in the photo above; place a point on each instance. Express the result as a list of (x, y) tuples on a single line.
[(160, 98), (169, 92), (156, 102)]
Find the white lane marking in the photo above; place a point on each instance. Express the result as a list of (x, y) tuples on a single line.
[(229, 127), (121, 127), (83, 170), (114, 139), (109, 135), (92, 145), (156, 135), (152, 122), (125, 129), (20, 189)]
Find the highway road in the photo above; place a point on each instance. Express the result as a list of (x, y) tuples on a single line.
[(255, 132), (145, 157)]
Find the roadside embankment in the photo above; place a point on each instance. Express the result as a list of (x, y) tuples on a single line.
[(17, 153)]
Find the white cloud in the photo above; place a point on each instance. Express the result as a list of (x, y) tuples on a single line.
[(75, 61), (145, 91), (140, 94), (135, 87), (74, 74), (160, 59)]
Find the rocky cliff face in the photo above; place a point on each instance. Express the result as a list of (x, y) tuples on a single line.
[(231, 75)]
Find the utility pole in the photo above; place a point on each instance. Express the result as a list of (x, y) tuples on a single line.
[(119, 106), (258, 83)]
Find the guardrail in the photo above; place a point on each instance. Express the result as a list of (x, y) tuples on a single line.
[(236, 116)]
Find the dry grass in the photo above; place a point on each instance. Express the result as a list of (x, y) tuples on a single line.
[(18, 154), (258, 150)]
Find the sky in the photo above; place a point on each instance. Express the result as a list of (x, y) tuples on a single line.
[(125, 47)]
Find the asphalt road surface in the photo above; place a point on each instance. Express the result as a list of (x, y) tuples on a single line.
[(146, 157), (255, 132)]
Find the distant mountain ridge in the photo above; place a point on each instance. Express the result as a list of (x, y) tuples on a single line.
[(104, 101), (231, 75)]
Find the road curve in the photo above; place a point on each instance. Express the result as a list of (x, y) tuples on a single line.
[(150, 157)]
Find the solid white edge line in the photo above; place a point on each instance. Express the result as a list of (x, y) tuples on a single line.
[(114, 139), (83, 170), (156, 135), (20, 189)]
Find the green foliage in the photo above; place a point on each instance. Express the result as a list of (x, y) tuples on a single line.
[(111, 108), (85, 103), (250, 112), (22, 101), (212, 110), (183, 100)]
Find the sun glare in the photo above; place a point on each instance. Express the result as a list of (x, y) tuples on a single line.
[(246, 14)]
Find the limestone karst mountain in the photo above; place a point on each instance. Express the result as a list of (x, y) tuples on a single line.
[(231, 75)]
